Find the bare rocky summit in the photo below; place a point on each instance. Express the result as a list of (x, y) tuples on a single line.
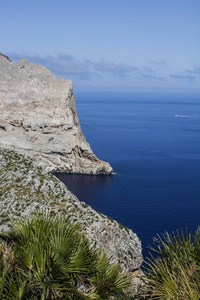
[(25, 188), (38, 119)]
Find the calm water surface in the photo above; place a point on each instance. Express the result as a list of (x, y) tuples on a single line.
[(152, 141)]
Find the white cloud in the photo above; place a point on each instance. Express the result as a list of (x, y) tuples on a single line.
[(85, 72)]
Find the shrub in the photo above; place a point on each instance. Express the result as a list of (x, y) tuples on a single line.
[(44, 257), (175, 273)]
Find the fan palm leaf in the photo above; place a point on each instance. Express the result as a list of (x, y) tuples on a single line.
[(50, 259)]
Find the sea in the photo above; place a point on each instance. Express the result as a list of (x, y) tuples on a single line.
[(152, 141)]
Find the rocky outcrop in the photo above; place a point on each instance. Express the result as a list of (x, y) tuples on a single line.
[(38, 118), (25, 188)]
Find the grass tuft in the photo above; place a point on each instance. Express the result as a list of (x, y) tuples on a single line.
[(175, 272)]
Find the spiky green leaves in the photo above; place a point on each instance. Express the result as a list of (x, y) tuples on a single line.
[(47, 258), (175, 273)]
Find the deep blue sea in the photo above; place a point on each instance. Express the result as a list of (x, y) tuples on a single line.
[(152, 141)]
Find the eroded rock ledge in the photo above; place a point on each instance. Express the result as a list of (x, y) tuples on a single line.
[(25, 187), (38, 119)]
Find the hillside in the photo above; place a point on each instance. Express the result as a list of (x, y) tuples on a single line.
[(25, 188)]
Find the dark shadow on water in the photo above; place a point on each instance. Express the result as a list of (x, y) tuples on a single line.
[(83, 185)]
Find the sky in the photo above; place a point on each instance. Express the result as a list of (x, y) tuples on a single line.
[(116, 45)]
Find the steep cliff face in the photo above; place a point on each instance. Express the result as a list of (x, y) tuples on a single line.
[(25, 188), (38, 118)]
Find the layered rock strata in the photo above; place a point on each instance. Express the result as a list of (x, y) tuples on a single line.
[(25, 188), (38, 118)]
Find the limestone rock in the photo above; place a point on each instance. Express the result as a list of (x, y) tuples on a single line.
[(38, 118), (24, 188)]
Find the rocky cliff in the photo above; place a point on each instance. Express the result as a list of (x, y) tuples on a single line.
[(38, 118), (25, 187)]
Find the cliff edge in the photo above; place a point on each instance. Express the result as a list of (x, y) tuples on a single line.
[(25, 188), (38, 119)]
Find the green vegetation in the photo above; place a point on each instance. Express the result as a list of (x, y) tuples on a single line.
[(28, 186), (44, 257), (175, 273)]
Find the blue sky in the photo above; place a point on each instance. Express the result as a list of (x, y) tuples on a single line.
[(107, 44)]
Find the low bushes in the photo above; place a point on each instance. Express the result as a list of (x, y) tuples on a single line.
[(44, 257), (175, 273)]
